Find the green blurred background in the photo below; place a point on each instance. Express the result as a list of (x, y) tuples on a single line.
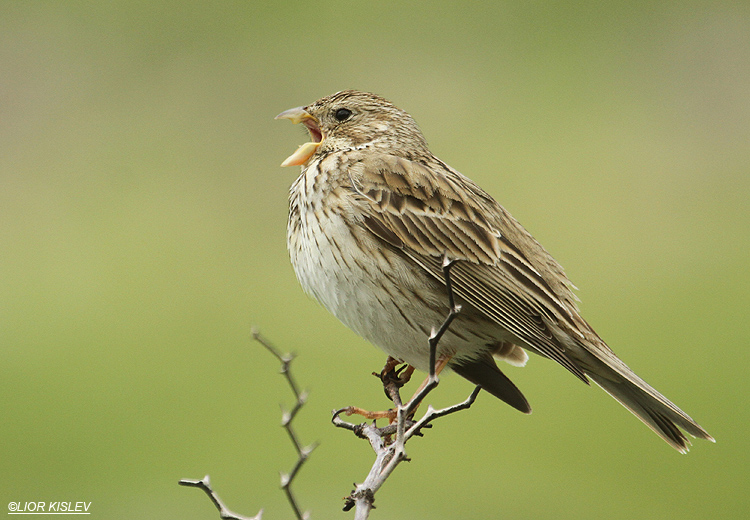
[(142, 228)]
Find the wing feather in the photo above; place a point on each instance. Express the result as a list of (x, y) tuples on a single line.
[(425, 212)]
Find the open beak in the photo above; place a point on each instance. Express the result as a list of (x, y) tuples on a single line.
[(305, 151)]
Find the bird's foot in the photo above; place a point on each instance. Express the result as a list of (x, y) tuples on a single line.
[(393, 378), (393, 374)]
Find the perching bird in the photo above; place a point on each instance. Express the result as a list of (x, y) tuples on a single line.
[(371, 218)]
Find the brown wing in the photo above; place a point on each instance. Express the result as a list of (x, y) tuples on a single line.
[(434, 211)]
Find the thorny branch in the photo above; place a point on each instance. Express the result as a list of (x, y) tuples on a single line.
[(391, 454), (303, 452), (224, 511), (389, 450), (453, 312)]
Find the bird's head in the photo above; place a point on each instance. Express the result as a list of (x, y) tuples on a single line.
[(351, 119)]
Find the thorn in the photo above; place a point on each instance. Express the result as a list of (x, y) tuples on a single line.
[(307, 450)]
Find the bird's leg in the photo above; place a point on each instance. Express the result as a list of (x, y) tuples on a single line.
[(390, 375), (388, 385), (367, 414), (392, 380)]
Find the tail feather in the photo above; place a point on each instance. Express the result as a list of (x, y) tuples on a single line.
[(655, 410), (613, 376)]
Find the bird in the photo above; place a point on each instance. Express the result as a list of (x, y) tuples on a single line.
[(373, 216)]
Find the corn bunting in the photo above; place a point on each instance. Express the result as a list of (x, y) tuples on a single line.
[(371, 219)]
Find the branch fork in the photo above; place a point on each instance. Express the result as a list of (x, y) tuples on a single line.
[(388, 442), (390, 451)]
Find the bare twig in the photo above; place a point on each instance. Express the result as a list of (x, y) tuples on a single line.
[(224, 511), (453, 312), (388, 442), (303, 452), (391, 454)]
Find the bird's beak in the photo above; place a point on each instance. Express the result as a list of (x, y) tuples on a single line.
[(305, 151)]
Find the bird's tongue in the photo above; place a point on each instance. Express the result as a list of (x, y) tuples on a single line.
[(301, 156)]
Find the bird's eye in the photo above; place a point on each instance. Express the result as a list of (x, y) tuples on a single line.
[(342, 114)]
